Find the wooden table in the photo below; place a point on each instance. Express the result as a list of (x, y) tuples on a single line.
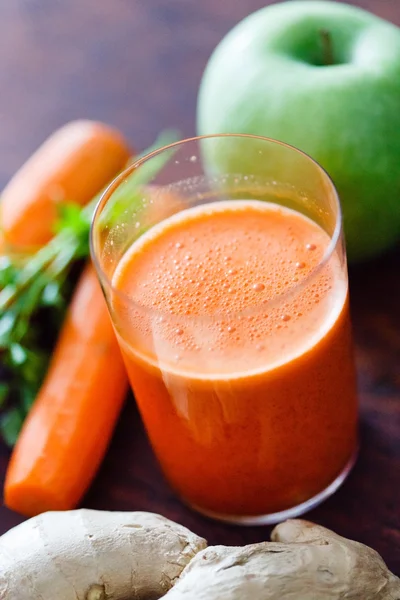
[(137, 64)]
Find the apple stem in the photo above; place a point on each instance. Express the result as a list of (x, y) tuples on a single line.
[(327, 47)]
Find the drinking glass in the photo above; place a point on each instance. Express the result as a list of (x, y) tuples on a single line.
[(275, 434)]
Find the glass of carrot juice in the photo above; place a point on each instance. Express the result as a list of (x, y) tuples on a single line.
[(223, 265)]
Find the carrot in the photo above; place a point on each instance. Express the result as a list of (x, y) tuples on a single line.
[(72, 165), (67, 431)]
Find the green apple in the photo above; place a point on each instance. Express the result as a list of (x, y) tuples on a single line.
[(324, 77)]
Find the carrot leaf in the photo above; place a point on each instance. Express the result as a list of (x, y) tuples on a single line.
[(10, 425)]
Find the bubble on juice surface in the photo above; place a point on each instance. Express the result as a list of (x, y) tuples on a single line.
[(258, 287)]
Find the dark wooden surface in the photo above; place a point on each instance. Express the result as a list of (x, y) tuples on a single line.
[(137, 64)]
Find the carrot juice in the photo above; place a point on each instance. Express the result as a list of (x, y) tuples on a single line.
[(238, 348)]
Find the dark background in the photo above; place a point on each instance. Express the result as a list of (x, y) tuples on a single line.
[(137, 64)]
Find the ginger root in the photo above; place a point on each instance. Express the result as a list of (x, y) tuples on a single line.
[(303, 562), (94, 555)]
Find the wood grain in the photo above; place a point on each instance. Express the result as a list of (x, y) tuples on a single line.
[(137, 64)]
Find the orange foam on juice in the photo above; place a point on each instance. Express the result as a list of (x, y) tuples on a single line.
[(238, 348)]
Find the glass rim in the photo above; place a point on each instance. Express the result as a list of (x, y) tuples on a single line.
[(121, 177)]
